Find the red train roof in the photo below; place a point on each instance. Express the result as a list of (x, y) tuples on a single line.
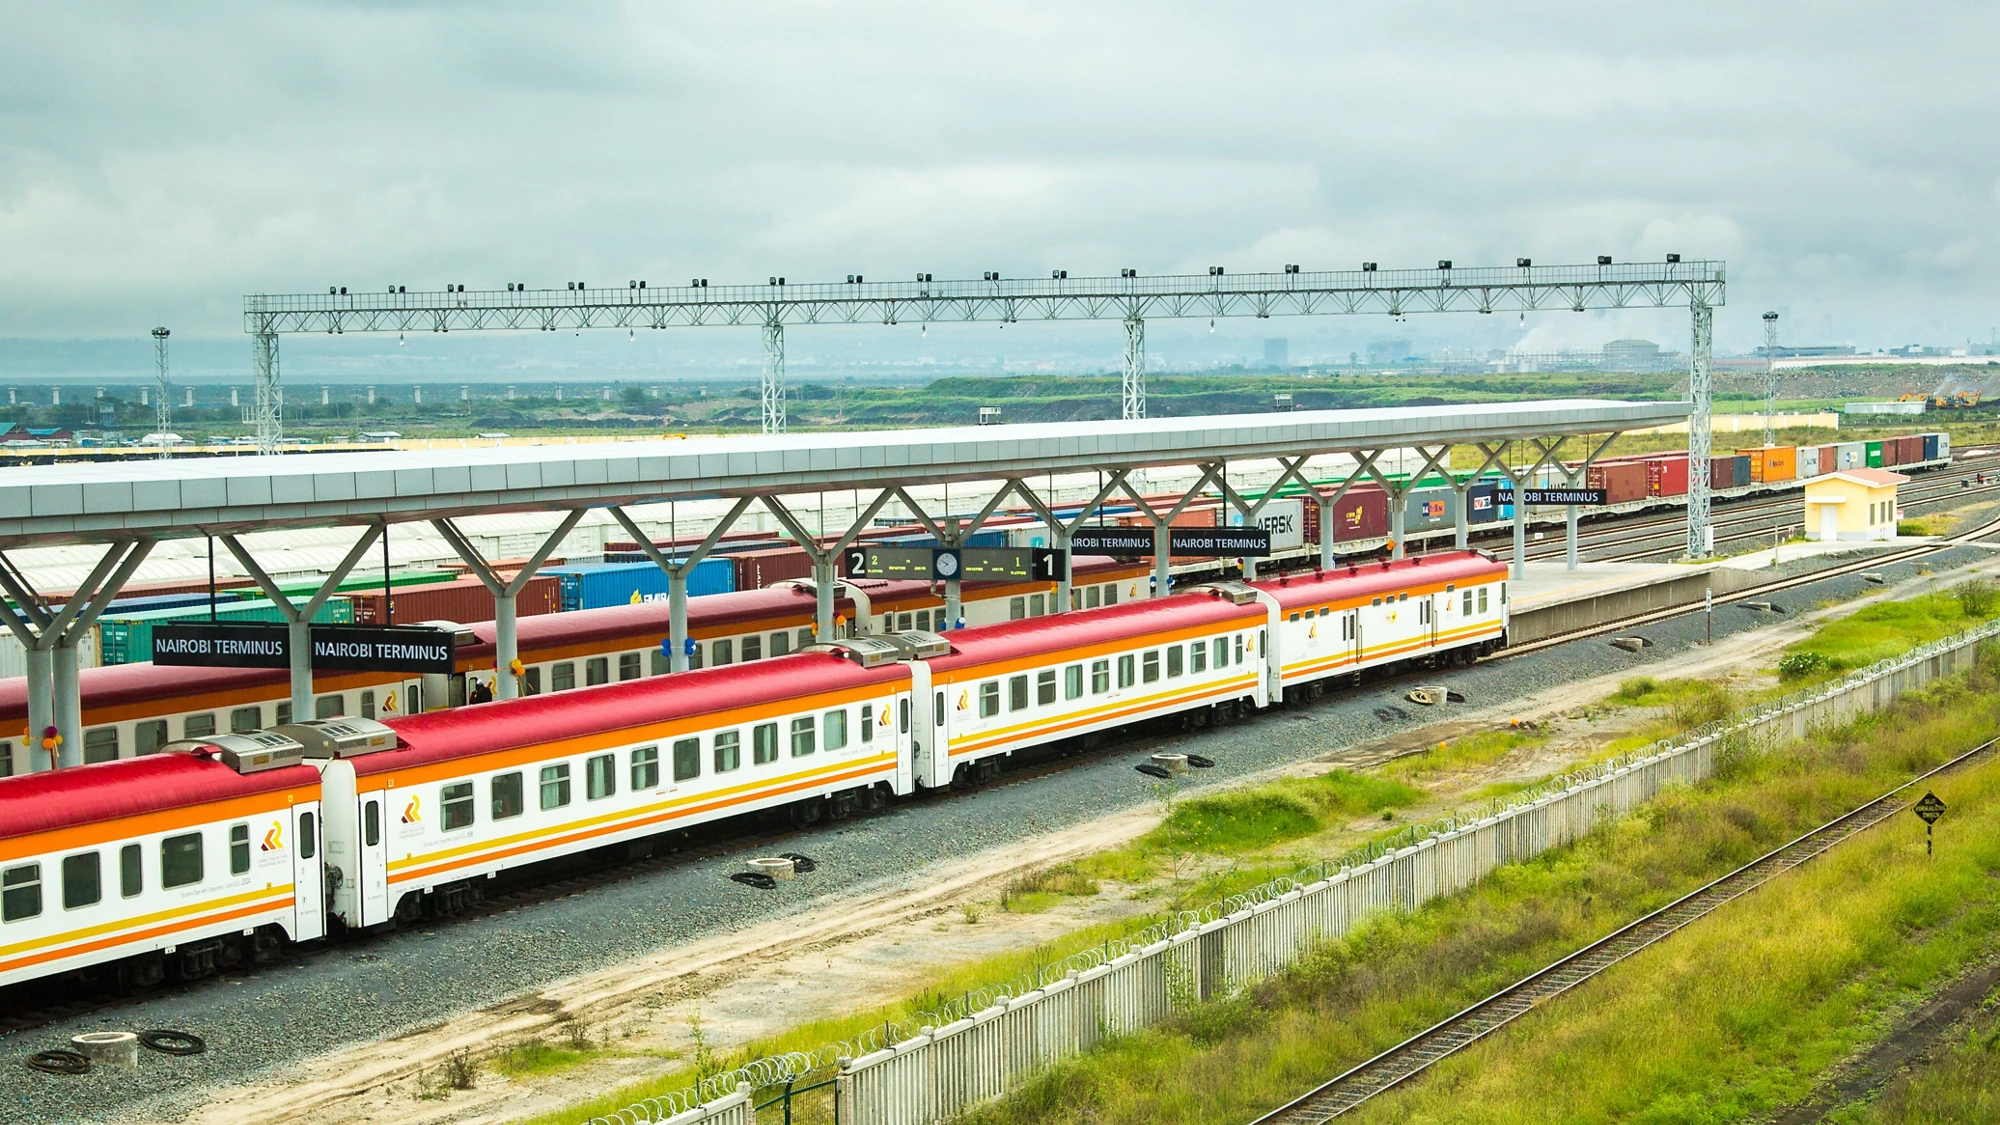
[(44, 802), (133, 683), (1033, 636), (1365, 580), (464, 732)]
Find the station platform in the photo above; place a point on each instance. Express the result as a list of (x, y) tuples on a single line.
[(1553, 599), (1762, 560)]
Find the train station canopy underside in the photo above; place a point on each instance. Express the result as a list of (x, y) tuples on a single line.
[(168, 499)]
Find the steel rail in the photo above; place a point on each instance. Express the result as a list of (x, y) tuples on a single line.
[(1414, 1055)]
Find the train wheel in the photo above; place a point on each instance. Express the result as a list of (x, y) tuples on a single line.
[(808, 812), (875, 798), (138, 974)]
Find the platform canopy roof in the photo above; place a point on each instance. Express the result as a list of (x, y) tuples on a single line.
[(166, 499)]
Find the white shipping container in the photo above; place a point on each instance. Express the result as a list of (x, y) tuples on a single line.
[(14, 658), (1808, 461), (1284, 519)]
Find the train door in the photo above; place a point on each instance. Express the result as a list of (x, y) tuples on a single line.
[(924, 733), (1429, 609), (308, 884), (1353, 638), (373, 877)]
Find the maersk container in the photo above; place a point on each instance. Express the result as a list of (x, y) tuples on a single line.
[(1808, 461), (1482, 502), (128, 638), (466, 601), (1852, 455), (1284, 519), (597, 585)]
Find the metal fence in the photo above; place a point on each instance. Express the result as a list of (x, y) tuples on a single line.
[(985, 1043)]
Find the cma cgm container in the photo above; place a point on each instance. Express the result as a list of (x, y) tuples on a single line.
[(1808, 457), (1874, 449), (1622, 481), (1362, 513), (466, 601), (1482, 502), (597, 585), (1850, 455), (128, 638), (1771, 463), (1667, 476)]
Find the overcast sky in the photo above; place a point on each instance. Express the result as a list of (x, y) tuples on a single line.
[(158, 161)]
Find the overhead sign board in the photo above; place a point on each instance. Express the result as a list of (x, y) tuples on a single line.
[(1012, 564), (889, 562), (972, 564), (1207, 542), (336, 648), (1564, 496)]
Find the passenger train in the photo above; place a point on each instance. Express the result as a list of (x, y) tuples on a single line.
[(130, 710), (226, 846)]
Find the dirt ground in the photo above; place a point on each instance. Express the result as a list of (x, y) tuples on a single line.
[(754, 983)]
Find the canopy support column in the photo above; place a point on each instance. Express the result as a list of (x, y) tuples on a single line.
[(1399, 497), (1162, 535), (507, 673), (1363, 463), (824, 585), (298, 619), (678, 571), (50, 641)]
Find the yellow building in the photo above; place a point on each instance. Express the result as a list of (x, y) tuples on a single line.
[(1854, 505)]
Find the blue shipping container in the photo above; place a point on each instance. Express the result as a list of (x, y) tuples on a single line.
[(597, 585), (1482, 502), (1930, 447), (1742, 470)]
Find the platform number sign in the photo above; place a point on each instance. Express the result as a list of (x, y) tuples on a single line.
[(1930, 809), (970, 564)]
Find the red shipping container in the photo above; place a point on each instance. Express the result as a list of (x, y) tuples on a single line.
[(1829, 459), (757, 569), (1203, 516), (1311, 521), (1622, 481), (1361, 514), (1892, 454), (1667, 476), (1910, 450), (156, 589), (1722, 472), (466, 601)]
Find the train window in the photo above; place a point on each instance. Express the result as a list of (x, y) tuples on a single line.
[(660, 665), (1197, 658), (555, 786), (1173, 662), (1468, 602), (1017, 608), (725, 652), (802, 736), (131, 878), (1378, 601), (6, 759), (1045, 688), (599, 777), (1093, 597), (764, 744), (1017, 693), (308, 838), (924, 618), (1323, 611), (728, 751), (628, 666), (239, 849), (866, 724), (1293, 617), (1111, 594), (455, 806), (1100, 677), (781, 643), (597, 670), (1150, 666), (180, 860), (100, 745), (82, 884), (20, 892), (687, 763), (329, 707), (937, 712), (903, 716), (149, 736), (1239, 648), (531, 684), (1402, 597), (902, 623), (1221, 653), (506, 792), (371, 823), (753, 649), (1073, 682), (1482, 599), (1125, 670), (1035, 605), (694, 658), (562, 677), (805, 636), (989, 699), (834, 725), (285, 713), (367, 704), (1424, 612), (1503, 593)]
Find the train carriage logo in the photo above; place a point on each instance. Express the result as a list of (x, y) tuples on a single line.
[(411, 813), (274, 837), (884, 720)]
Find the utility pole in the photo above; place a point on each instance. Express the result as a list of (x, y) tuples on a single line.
[(1770, 377), (163, 417)]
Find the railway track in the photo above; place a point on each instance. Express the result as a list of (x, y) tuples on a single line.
[(1413, 1056)]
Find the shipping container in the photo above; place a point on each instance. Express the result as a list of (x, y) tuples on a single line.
[(1910, 449), (462, 569), (1851, 455), (175, 586), (1930, 447), (1944, 446), (597, 585), (1667, 476), (1808, 456), (358, 581), (1829, 459), (128, 638), (1623, 482), (14, 658), (1363, 513), (1430, 508), (1482, 502), (1721, 472), (466, 601), (1284, 519), (1771, 464), (1874, 455), (754, 570), (1742, 476)]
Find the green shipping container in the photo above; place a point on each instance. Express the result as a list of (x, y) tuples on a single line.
[(1874, 454), (128, 638), (301, 589)]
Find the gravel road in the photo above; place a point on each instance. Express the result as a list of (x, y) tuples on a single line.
[(389, 985)]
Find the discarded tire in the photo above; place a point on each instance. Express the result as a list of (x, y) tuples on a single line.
[(1200, 763), (756, 879), (800, 863), (1151, 770), (58, 1062), (169, 1042)]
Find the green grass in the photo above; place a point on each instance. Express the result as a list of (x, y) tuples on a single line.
[(1887, 629), (1481, 749), (1040, 890), (1960, 1083), (1728, 1021)]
